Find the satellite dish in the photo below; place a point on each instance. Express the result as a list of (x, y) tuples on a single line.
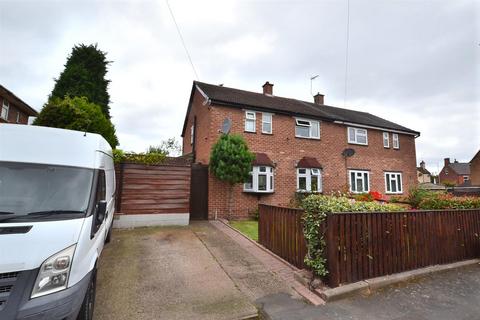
[(348, 153), (226, 126)]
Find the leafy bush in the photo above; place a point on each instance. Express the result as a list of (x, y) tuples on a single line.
[(447, 201), (297, 198), (254, 215), (150, 158), (76, 113), (316, 208), (416, 195)]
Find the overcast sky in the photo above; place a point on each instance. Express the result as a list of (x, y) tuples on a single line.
[(413, 62)]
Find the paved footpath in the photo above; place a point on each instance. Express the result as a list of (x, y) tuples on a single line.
[(452, 295)]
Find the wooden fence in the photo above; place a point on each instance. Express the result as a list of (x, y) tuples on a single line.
[(368, 245), (143, 189)]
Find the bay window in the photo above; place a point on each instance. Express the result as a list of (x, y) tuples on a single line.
[(359, 181), (260, 180), (393, 182), (309, 180)]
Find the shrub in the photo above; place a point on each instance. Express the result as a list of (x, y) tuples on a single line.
[(316, 208), (447, 201), (255, 214), (150, 158), (416, 195)]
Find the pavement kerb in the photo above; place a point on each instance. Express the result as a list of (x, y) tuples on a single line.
[(370, 285)]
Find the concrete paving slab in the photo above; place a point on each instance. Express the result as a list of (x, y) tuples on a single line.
[(165, 273)]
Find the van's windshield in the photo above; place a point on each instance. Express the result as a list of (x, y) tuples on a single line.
[(40, 191)]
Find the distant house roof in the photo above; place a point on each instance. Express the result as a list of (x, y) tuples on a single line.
[(477, 155), (423, 170), (240, 98), (460, 168), (18, 102)]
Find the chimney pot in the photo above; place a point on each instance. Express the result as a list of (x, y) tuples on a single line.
[(319, 98), (446, 161), (268, 88)]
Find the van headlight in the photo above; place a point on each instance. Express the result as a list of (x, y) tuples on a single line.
[(54, 273)]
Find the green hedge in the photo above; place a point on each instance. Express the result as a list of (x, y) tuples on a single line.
[(150, 158), (447, 201), (316, 208)]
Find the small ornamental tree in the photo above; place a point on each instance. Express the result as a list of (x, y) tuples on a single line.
[(77, 114), (231, 161)]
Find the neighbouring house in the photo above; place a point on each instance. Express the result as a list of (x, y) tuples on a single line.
[(455, 173), (299, 146), (424, 176), (475, 170), (13, 109)]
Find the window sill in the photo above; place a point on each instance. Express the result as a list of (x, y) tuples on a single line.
[(268, 134), (258, 192), (359, 144), (249, 131), (394, 193), (358, 192), (299, 137)]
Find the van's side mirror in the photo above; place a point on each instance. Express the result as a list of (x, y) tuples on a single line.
[(101, 212)]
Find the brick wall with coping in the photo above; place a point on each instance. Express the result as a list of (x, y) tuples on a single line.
[(285, 150)]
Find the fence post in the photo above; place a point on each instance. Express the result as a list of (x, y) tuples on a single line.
[(120, 187), (332, 250)]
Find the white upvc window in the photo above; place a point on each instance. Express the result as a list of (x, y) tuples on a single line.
[(359, 181), (393, 183), (466, 178), (5, 108), (192, 133), (267, 123), (18, 116), (250, 121), (357, 136), (261, 180), (386, 140), (395, 141), (309, 180), (305, 128)]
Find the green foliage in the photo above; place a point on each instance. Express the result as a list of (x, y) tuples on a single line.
[(416, 195), (170, 147), (254, 215), (84, 76), (150, 158), (77, 113), (297, 198), (230, 159), (437, 201), (316, 209), (247, 227), (448, 184)]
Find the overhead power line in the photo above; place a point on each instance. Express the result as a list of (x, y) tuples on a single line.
[(183, 41), (346, 55)]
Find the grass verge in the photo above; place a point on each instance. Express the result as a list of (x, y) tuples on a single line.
[(247, 227)]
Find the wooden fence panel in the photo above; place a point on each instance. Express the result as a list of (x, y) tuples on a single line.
[(367, 245), (143, 189)]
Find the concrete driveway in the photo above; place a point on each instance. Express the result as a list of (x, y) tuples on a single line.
[(193, 272)]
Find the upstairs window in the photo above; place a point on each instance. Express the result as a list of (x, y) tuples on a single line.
[(5, 108), (359, 181), (18, 116), (260, 180), (395, 141), (386, 140), (393, 182), (309, 180), (192, 133), (466, 178), (267, 123), (357, 136), (250, 119), (307, 129)]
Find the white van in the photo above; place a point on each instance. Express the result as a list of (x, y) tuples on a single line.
[(57, 195)]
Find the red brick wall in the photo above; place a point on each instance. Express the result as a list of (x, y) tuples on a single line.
[(12, 113), (284, 149), (451, 177), (475, 170)]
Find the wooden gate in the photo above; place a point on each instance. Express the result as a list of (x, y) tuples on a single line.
[(199, 192)]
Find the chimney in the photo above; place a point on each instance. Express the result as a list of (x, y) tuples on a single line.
[(422, 164), (446, 161), (318, 98), (268, 88)]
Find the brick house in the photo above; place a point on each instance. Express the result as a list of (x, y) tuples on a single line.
[(456, 173), (13, 109), (475, 170), (299, 146)]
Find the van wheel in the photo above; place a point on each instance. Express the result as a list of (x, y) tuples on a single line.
[(109, 234), (86, 311)]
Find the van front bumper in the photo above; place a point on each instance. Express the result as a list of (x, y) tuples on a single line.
[(61, 305)]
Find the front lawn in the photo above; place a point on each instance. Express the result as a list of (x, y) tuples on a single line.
[(247, 227)]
